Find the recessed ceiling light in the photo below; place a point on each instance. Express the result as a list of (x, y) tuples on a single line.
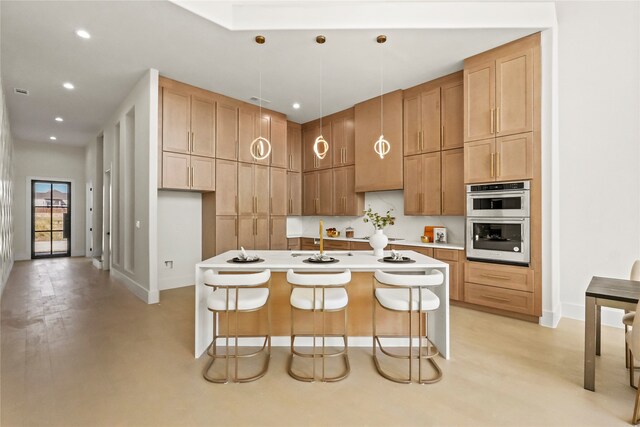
[(53, 138), (296, 105), (68, 85), (83, 33), (59, 119)]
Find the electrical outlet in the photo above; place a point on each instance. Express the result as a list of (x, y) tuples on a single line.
[(168, 264)]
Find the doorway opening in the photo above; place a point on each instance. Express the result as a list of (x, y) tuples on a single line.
[(50, 219)]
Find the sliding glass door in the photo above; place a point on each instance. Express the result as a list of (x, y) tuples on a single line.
[(50, 219)]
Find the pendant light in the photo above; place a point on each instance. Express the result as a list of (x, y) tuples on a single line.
[(260, 147), (320, 146), (381, 146)]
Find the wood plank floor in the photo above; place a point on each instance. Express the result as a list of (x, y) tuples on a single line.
[(79, 350)]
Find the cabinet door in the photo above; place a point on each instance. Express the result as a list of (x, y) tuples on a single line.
[(226, 187), (176, 118), (514, 93), (339, 191), (309, 193), (176, 171), (430, 113), (246, 232), (412, 125), (261, 238), (452, 116), (479, 101), (514, 157), (226, 233), (246, 132), (354, 202), (294, 147), (412, 185), (246, 200), (453, 182), (263, 129), (455, 282), (226, 131), (337, 142), (203, 173), (261, 189), (295, 193), (325, 192), (479, 161), (308, 138), (203, 127), (279, 157), (327, 162), (349, 140), (278, 190), (278, 237), (431, 184)]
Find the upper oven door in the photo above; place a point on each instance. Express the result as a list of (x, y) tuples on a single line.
[(498, 239), (498, 204)]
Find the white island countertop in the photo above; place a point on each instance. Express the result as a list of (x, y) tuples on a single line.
[(356, 261)]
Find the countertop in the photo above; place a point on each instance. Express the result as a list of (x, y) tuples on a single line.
[(404, 242)]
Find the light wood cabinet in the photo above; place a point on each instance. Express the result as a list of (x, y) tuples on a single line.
[(479, 101), (372, 172), (317, 192), (226, 187), (253, 189), (452, 115), (502, 159), (253, 232), (293, 244), (345, 200), (188, 123), (514, 93), (343, 139), (422, 188), (227, 131), (294, 147), (226, 233), (455, 259), (309, 135), (203, 173), (294, 188), (279, 193), (278, 233), (203, 119), (250, 126), (420, 249), (186, 172), (422, 122), (452, 182), (279, 143)]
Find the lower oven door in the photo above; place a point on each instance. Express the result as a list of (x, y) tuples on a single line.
[(503, 240)]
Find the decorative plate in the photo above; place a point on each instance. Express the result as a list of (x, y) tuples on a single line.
[(399, 261)]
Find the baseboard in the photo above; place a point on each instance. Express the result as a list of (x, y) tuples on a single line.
[(551, 318), (609, 316), (97, 263), (165, 283), (149, 297)]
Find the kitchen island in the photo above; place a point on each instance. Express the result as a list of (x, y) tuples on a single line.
[(362, 265)]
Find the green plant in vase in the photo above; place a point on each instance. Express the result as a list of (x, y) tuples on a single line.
[(378, 240)]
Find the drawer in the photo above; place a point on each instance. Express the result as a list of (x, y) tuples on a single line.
[(305, 241), (446, 254), (360, 246), (503, 299), (420, 249), (501, 276), (336, 245)]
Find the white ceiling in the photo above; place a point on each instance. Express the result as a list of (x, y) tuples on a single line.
[(40, 51)]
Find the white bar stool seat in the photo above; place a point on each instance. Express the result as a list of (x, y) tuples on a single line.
[(233, 294), (408, 293), (319, 293)]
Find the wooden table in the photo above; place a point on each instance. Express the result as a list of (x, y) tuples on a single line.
[(603, 292)]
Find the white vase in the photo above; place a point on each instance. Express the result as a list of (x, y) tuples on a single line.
[(378, 242)]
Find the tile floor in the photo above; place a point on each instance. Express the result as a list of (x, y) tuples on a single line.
[(78, 349)]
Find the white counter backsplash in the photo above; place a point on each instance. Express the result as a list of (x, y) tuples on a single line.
[(405, 227)]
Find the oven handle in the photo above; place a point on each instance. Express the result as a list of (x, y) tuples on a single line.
[(496, 194)]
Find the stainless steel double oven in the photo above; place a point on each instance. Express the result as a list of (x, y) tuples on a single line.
[(498, 222)]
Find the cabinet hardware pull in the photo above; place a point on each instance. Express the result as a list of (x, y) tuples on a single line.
[(290, 161), (188, 176), (496, 276), (498, 119), (496, 298), (492, 155), (491, 117), (442, 209), (193, 138), (271, 226), (236, 226), (237, 150), (442, 137), (270, 204), (192, 176), (421, 140), (188, 142), (497, 164), (236, 204)]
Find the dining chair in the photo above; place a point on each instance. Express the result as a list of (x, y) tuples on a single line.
[(627, 321), (632, 339)]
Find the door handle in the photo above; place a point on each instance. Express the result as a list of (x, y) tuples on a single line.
[(290, 161), (492, 163), (236, 226), (442, 137), (188, 142), (498, 119), (491, 119), (496, 298), (193, 138), (497, 164)]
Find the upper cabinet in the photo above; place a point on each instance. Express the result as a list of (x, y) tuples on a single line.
[(310, 132), (294, 147), (498, 91), (227, 130), (452, 115), (372, 172), (343, 138), (251, 125), (345, 200), (279, 143), (507, 158)]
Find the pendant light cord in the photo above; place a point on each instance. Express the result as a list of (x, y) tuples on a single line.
[(381, 91), (321, 75), (260, 92)]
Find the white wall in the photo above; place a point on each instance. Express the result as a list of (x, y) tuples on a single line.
[(47, 161), (406, 227), (179, 237), (599, 145), (6, 194)]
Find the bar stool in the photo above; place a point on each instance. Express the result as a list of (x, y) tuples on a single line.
[(407, 293), (319, 293), (237, 293)]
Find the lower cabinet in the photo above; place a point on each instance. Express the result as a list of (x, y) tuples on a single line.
[(420, 249), (293, 244), (278, 233), (253, 232), (185, 172), (226, 233), (455, 259), (504, 287)]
